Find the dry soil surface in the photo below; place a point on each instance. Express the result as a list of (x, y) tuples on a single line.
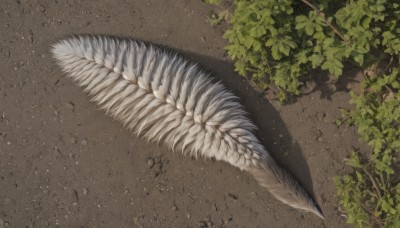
[(65, 163)]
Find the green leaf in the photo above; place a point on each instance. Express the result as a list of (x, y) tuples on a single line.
[(316, 60), (271, 41), (309, 28)]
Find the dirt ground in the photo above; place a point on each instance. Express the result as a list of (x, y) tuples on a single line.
[(65, 163)]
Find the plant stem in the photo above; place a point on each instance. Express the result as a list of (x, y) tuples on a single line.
[(321, 14), (373, 182), (376, 219)]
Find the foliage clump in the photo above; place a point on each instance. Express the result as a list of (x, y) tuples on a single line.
[(371, 195), (278, 42)]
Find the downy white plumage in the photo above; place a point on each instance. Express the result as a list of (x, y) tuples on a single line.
[(163, 97)]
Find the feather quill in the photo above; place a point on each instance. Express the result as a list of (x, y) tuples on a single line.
[(164, 98)]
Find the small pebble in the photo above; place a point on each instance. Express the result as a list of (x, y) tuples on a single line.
[(156, 169), (203, 38), (126, 191), (84, 142), (135, 220), (202, 224), (85, 191), (227, 220), (70, 106), (188, 216), (174, 208), (74, 204), (150, 162)]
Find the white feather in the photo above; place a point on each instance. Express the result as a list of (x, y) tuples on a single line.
[(165, 98)]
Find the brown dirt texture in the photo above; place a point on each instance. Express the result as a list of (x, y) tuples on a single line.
[(64, 163)]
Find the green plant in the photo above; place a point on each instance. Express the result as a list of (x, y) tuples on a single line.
[(371, 195), (278, 42)]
